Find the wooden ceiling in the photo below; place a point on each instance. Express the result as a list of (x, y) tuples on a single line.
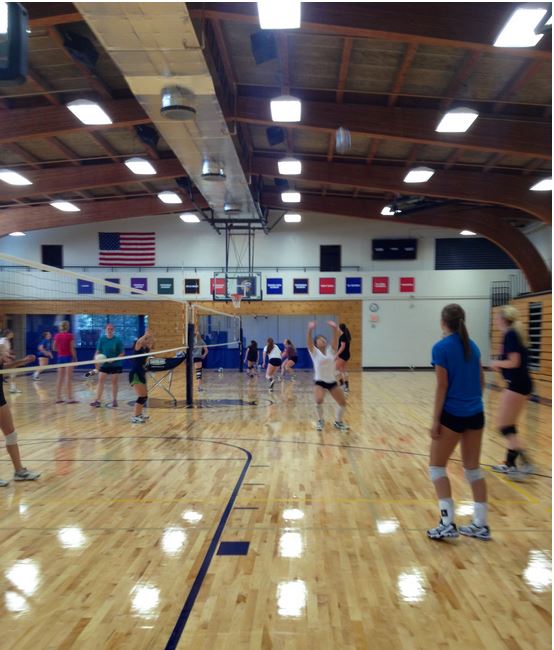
[(386, 71)]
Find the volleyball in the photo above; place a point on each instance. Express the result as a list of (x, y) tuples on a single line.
[(100, 357), (343, 142)]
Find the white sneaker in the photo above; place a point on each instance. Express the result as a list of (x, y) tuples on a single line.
[(341, 426), (25, 475), (443, 531), (138, 419), (473, 530), (4, 483), (510, 472), (319, 425), (13, 389), (36, 377)]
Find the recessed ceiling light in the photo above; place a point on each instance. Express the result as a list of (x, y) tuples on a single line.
[(189, 217), (543, 186), (169, 197), (290, 197), (387, 211), (13, 178), (467, 233), (519, 31), (286, 108), (418, 175), (89, 112), (290, 166), (65, 206), (140, 166), (3, 17), (284, 14), (17, 234), (457, 120), (293, 217)]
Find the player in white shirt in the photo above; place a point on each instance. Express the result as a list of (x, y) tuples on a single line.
[(271, 355), (323, 357)]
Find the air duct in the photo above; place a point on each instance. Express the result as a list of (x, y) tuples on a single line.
[(177, 104), (212, 171)]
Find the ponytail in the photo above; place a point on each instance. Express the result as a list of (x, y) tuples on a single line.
[(270, 345), (512, 317), (345, 331), (454, 318)]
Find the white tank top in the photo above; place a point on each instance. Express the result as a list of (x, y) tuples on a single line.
[(275, 352), (324, 365)]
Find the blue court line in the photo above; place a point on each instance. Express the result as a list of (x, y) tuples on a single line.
[(200, 576)]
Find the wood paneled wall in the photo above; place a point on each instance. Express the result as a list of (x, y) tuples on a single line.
[(542, 377)]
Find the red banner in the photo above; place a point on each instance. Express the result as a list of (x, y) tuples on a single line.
[(380, 285), (327, 285), (407, 285), (219, 284)]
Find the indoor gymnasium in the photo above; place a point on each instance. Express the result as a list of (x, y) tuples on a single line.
[(276, 326)]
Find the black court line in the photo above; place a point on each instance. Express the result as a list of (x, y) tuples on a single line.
[(200, 576), (246, 508), (119, 460)]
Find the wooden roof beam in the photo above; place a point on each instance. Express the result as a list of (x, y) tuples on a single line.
[(526, 72), (407, 60), (47, 14), (463, 73), (344, 66)]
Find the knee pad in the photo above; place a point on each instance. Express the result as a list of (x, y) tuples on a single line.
[(436, 472), (473, 475), (508, 431), (11, 439), (198, 373), (142, 400)]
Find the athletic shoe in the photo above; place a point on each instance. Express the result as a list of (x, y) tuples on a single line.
[(138, 419), (271, 383), (14, 390), (90, 373), (473, 530), (96, 404), (510, 472), (24, 474), (443, 531), (341, 426), (35, 376), (319, 426), (346, 389), (144, 417), (112, 405), (527, 468), (4, 483)]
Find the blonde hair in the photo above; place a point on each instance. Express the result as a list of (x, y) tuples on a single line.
[(512, 316), (64, 326)]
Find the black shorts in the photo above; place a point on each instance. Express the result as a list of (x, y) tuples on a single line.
[(293, 359), (522, 386), (137, 376), (252, 359), (275, 362), (345, 356), (198, 360), (111, 370), (459, 423), (326, 385), (2, 397)]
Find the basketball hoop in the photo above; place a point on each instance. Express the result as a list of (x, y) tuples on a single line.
[(236, 298)]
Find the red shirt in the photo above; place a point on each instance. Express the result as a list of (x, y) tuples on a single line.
[(62, 341)]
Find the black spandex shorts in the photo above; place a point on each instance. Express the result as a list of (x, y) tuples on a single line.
[(293, 359), (326, 385), (198, 360), (135, 376), (522, 386), (459, 424), (252, 359), (111, 370), (345, 356), (275, 362), (2, 398)]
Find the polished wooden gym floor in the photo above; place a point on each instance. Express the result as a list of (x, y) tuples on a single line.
[(118, 544)]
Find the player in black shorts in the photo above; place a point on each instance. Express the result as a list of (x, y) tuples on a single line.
[(6, 421), (290, 358), (343, 356), (251, 358), (199, 353), (137, 375), (513, 364)]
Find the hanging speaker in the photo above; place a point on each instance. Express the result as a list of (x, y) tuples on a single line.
[(263, 45), (275, 135)]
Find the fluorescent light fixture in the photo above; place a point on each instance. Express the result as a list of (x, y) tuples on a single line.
[(519, 31), (13, 178), (387, 211), (293, 217), (543, 186), (284, 14), (4, 17), (290, 166), (140, 166), (17, 234), (88, 112), (65, 206), (457, 120), (189, 217), (169, 197), (286, 108), (467, 233), (418, 175), (290, 197)]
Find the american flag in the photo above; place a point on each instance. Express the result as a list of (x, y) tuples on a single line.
[(127, 248)]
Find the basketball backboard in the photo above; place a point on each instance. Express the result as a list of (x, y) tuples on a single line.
[(248, 285)]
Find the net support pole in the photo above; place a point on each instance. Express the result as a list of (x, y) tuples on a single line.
[(190, 365), (241, 365)]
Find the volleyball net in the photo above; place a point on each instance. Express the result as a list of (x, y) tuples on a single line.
[(38, 302), (220, 334)]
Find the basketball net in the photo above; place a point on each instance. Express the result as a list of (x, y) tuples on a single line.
[(236, 298)]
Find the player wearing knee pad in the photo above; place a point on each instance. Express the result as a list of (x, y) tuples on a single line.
[(137, 376)]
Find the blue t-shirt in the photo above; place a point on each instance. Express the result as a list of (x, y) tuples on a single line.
[(46, 344), (111, 348), (464, 396)]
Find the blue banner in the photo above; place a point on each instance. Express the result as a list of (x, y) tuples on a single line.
[(85, 286), (112, 289), (274, 286), (300, 285), (353, 285)]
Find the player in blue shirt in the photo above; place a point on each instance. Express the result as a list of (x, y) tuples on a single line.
[(458, 417), (513, 365)]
